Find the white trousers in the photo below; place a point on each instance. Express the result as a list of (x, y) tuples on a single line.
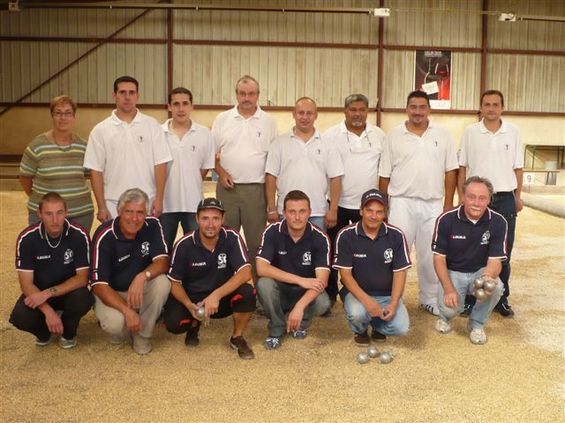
[(416, 218)]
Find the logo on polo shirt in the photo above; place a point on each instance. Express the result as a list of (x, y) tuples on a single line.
[(222, 260), (358, 255), (198, 263), (68, 256), (281, 253), (307, 258), (123, 258), (144, 248), (43, 257), (485, 238), (388, 255), (458, 237)]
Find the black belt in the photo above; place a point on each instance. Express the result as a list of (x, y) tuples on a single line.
[(502, 193)]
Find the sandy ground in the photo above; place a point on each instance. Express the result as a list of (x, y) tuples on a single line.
[(517, 376)]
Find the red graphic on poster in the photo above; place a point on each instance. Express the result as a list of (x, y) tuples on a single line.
[(433, 76)]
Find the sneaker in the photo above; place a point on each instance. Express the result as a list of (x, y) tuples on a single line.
[(478, 336), (299, 333), (377, 336), (116, 339), (42, 343), (467, 309), (432, 309), (362, 339), (442, 326), (141, 344), (504, 309), (191, 338), (238, 343), (67, 343), (272, 342)]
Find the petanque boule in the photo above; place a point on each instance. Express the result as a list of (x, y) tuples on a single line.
[(200, 313), (373, 352), (480, 294), (489, 286), (385, 357), (478, 283), (362, 357)]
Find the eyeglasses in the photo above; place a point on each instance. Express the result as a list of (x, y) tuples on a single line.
[(58, 114)]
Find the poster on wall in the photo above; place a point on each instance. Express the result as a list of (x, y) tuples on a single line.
[(432, 74)]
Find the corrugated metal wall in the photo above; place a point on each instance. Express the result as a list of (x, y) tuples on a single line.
[(325, 73)]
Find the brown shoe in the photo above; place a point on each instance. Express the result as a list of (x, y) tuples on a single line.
[(362, 339), (238, 343)]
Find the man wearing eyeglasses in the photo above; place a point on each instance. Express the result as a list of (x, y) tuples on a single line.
[(242, 136), (126, 150), (360, 145)]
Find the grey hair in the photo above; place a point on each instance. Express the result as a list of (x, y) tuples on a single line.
[(479, 180), (247, 78), (133, 195), (356, 97)]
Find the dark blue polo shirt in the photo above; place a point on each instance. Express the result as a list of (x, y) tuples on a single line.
[(52, 261), (201, 270), (302, 258), (116, 260), (467, 245), (372, 261)]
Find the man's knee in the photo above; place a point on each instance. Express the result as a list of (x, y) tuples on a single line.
[(243, 299), (321, 304), (159, 288), (266, 287), (79, 301), (111, 320), (22, 316)]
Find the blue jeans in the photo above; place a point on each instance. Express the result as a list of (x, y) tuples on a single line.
[(170, 223), (318, 221), (359, 319), (278, 298), (463, 284)]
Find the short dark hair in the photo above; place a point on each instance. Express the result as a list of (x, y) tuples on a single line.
[(417, 94), (493, 92), (479, 180), (356, 97), (180, 90), (296, 195), (125, 78), (51, 197)]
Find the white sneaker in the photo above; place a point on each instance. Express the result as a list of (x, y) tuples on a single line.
[(442, 326), (141, 345), (430, 308), (67, 343), (478, 336)]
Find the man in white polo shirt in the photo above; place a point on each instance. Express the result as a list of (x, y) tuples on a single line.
[(418, 170), (302, 160), (360, 145), (127, 150), (492, 149), (192, 150), (242, 136)]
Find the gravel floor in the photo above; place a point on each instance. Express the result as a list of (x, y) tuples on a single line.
[(517, 376)]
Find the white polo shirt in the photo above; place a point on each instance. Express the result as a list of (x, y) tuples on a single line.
[(126, 153), (417, 165), (492, 155), (305, 166), (193, 152), (243, 143), (360, 156)]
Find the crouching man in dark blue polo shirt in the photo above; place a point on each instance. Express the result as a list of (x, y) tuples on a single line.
[(210, 269), (469, 242), (52, 265), (293, 265), (372, 258), (129, 262)]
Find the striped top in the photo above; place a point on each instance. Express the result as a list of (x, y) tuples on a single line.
[(57, 168)]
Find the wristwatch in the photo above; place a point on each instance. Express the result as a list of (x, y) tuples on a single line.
[(53, 291), (147, 275)]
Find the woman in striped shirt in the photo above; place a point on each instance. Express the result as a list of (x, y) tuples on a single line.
[(53, 161)]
